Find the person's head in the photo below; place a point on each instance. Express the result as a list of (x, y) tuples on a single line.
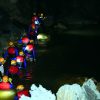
[(34, 13), (5, 78), (21, 53), (11, 43), (2, 60), (31, 41), (13, 62), (41, 15), (33, 26), (20, 87)]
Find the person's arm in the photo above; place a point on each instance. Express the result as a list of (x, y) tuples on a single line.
[(16, 51), (11, 86), (24, 63), (2, 69), (34, 55), (5, 54)]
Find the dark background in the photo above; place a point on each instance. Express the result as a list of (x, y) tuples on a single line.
[(73, 50), (22, 11)]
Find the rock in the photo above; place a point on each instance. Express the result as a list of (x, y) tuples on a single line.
[(88, 91), (70, 92), (39, 93), (23, 97), (91, 91)]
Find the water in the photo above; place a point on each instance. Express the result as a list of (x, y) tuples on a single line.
[(76, 54)]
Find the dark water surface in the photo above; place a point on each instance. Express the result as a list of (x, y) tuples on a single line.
[(70, 56)]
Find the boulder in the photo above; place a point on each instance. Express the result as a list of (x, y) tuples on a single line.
[(39, 93)]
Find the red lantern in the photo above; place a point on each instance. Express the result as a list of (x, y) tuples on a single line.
[(13, 69), (25, 40)]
